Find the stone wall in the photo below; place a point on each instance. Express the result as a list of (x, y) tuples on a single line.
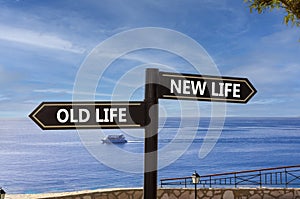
[(137, 193)]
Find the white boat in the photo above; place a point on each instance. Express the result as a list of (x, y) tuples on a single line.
[(114, 139)]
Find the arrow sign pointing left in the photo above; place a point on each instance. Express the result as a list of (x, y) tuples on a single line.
[(89, 115)]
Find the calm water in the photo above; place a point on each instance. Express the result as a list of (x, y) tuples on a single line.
[(35, 161)]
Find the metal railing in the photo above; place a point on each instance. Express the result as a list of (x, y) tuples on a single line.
[(287, 176)]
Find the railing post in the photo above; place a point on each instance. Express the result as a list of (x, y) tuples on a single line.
[(260, 180), (184, 182), (209, 181), (271, 178), (286, 180), (235, 180)]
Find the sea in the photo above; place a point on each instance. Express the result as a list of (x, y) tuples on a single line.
[(37, 161)]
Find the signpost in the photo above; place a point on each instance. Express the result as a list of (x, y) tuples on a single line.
[(143, 114)]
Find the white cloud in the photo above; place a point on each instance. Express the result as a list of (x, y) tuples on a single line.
[(38, 39), (285, 37), (267, 72), (3, 98), (273, 59), (267, 101), (70, 92)]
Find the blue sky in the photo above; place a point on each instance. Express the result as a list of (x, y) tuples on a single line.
[(44, 43)]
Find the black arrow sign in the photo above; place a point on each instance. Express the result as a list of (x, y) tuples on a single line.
[(89, 115), (205, 88)]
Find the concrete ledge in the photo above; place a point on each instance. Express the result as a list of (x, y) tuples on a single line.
[(167, 193)]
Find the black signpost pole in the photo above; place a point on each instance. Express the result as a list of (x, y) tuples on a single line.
[(151, 136)]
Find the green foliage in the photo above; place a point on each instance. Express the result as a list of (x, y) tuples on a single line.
[(292, 8)]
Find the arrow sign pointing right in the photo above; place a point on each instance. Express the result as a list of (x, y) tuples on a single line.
[(205, 88)]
